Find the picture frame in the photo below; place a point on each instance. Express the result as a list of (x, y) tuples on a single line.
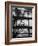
[(25, 14)]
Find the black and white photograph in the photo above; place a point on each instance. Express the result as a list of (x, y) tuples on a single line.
[(21, 22)]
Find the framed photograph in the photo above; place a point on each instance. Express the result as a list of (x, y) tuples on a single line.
[(20, 22)]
